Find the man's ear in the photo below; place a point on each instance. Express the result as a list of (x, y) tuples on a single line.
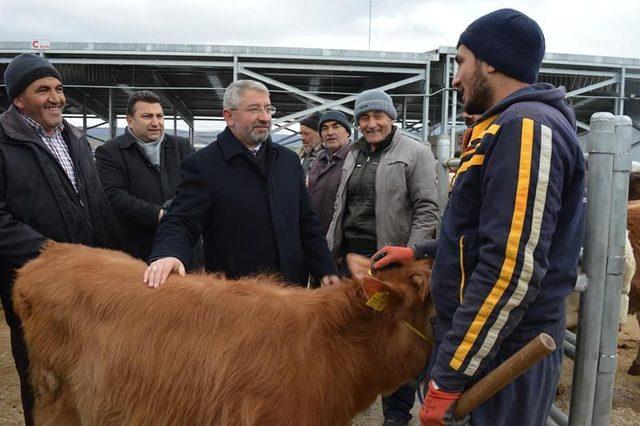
[(359, 266)]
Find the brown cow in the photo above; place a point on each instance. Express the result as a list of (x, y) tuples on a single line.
[(202, 349)]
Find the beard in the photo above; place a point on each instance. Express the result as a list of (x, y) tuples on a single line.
[(481, 98), (258, 135)]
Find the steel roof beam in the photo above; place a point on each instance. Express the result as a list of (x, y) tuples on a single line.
[(94, 106), (289, 88), (173, 99), (594, 86), (346, 99)]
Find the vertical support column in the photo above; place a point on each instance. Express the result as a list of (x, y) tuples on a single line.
[(113, 119), (605, 377), (404, 113), (84, 116), (601, 148), (175, 122), (621, 92), (445, 97), (192, 133), (425, 102), (454, 112), (442, 154), (235, 68)]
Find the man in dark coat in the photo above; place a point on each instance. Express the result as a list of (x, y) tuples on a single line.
[(247, 197), (326, 171), (140, 171), (49, 187)]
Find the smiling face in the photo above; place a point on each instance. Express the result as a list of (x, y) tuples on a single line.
[(334, 135), (375, 126), (43, 101), (146, 121), (472, 82), (250, 121)]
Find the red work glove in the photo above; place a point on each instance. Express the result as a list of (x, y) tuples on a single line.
[(392, 254), (438, 407)]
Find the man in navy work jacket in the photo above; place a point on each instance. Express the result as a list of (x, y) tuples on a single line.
[(510, 236), (247, 196)]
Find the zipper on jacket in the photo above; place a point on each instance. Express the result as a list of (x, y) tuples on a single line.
[(462, 277)]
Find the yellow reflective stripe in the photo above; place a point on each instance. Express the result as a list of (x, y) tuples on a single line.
[(461, 266), (468, 153), (482, 126), (492, 130), (476, 160), (511, 251)]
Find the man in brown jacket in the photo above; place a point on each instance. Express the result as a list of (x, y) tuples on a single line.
[(325, 173)]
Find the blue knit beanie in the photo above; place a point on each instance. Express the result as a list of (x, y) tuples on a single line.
[(374, 100), (23, 70), (509, 41)]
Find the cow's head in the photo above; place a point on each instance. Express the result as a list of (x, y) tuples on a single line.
[(406, 286)]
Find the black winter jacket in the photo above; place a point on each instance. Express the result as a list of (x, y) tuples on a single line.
[(38, 201), (136, 188)]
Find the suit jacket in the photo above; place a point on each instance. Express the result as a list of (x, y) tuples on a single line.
[(251, 221), (136, 188)]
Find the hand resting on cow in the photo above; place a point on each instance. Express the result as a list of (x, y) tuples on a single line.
[(158, 272)]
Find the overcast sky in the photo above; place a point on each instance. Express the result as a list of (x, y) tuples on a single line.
[(610, 28)]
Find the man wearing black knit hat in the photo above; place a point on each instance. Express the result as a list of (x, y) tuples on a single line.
[(510, 236), (311, 142), (49, 187)]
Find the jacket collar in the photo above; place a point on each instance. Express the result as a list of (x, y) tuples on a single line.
[(230, 146), (15, 127), (127, 140)]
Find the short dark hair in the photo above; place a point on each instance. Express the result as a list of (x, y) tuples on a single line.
[(141, 96)]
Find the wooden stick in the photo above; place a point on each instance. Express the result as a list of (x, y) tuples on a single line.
[(506, 373)]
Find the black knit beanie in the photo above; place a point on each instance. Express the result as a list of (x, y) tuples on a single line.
[(508, 40), (336, 116), (24, 69), (311, 121)]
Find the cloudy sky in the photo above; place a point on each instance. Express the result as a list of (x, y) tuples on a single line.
[(609, 28)]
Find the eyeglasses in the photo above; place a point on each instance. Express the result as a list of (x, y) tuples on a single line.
[(257, 110)]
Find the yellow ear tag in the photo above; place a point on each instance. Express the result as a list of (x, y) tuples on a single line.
[(379, 300)]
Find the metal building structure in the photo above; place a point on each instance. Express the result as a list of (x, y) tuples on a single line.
[(191, 79)]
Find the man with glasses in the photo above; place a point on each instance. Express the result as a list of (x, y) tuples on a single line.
[(247, 197)]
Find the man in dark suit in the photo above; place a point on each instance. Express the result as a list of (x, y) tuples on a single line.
[(247, 197), (140, 171)]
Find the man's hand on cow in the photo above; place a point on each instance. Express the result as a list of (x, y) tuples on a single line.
[(392, 254), (158, 271), (437, 409), (330, 280)]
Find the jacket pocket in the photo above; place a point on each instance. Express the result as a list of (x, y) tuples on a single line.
[(468, 259)]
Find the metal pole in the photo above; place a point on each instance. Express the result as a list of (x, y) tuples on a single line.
[(605, 377), (622, 86), (601, 148), (425, 103), (454, 113), (404, 113), (445, 98), (113, 119), (235, 68), (443, 153), (369, 24), (84, 115), (175, 122)]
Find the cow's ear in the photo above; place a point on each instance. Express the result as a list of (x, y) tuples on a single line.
[(380, 294), (359, 266)]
